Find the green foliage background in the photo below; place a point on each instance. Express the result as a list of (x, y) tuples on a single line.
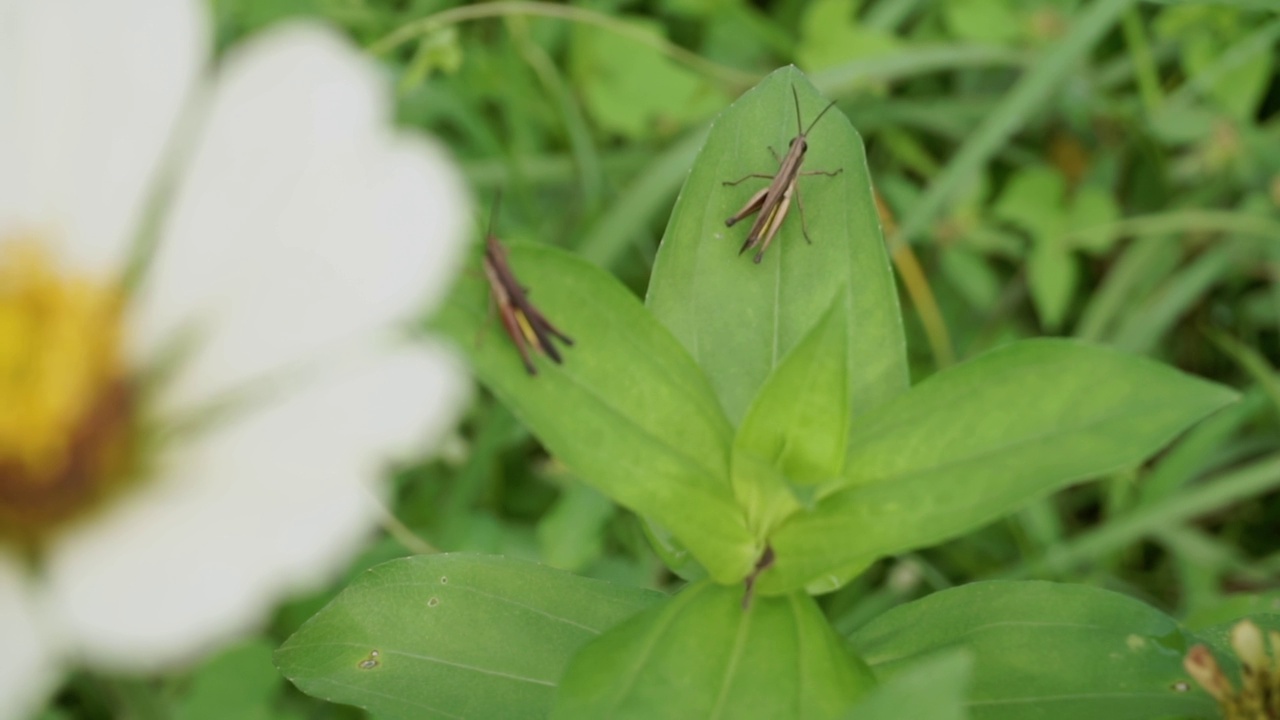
[(1108, 171)]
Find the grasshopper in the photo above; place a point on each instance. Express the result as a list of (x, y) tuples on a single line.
[(774, 202), (527, 327)]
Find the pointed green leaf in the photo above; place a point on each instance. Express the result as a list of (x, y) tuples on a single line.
[(763, 493), (700, 655), (977, 441), (1032, 200), (738, 319), (1045, 650), (447, 636), (1052, 275), (627, 411), (799, 421), (1092, 208), (797, 428)]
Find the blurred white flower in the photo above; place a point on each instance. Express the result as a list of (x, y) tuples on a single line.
[(177, 457)]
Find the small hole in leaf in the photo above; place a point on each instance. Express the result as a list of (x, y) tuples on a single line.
[(444, 580), (433, 602), (370, 662), (1181, 686)]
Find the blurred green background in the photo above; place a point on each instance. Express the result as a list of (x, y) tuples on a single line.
[(1103, 170)]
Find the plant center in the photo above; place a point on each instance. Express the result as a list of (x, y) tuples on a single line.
[(66, 406)]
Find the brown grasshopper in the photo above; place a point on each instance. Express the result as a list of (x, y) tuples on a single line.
[(774, 202), (527, 327)]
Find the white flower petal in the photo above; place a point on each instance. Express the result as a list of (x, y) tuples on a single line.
[(28, 667), (266, 504), (90, 92), (303, 221)]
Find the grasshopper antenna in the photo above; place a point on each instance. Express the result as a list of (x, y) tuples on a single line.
[(815, 120), (795, 96), (493, 212)]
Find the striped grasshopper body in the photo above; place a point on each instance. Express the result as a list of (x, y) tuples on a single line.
[(528, 328), (772, 203)]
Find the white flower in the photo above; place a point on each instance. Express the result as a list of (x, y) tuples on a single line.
[(296, 229)]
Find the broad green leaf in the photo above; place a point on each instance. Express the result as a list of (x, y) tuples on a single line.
[(627, 411), (1197, 452), (978, 441), (934, 688), (739, 319), (799, 421), (701, 655), (673, 554), (447, 636), (764, 494), (1045, 650)]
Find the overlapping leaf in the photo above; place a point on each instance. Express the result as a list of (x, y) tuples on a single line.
[(738, 319), (1049, 650), (703, 656), (628, 411), (449, 636), (975, 442)]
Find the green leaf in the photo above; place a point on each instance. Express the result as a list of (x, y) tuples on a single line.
[(1092, 207), (1235, 607), (628, 412), (631, 89), (1218, 639), (830, 35), (739, 319), (1018, 106), (972, 275), (1207, 39), (1051, 273), (700, 655), (239, 682), (1056, 650), (986, 21), (978, 441), (1032, 200), (799, 421), (571, 534), (764, 494), (446, 636), (934, 688)]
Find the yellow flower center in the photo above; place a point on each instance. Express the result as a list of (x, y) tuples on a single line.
[(65, 403)]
